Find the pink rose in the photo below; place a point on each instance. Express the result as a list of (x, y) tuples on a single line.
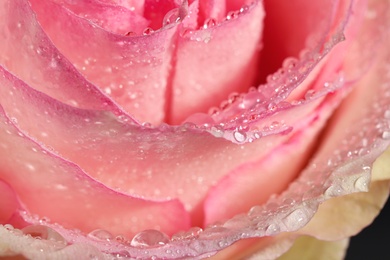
[(152, 129)]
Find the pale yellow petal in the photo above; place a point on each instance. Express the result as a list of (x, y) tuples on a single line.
[(381, 169), (308, 248), (345, 216)]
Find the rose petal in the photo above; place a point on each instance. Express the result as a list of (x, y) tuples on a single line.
[(208, 67), (255, 180), (295, 75), (8, 202), (137, 157), (26, 46), (111, 17), (348, 215), (52, 187), (132, 70), (307, 248)]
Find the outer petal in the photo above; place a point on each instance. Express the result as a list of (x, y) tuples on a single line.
[(132, 70), (307, 248), (52, 187), (25, 46), (214, 61)]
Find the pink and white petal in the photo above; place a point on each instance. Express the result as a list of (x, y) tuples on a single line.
[(215, 61), (133, 70), (49, 186), (114, 18), (286, 33), (312, 70), (155, 11), (263, 248), (129, 158), (347, 215), (31, 56), (256, 181)]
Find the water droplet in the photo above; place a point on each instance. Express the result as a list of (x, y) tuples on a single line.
[(361, 183), (272, 229), (148, 31), (309, 94), (387, 114), (222, 244), (386, 135), (210, 22), (232, 15), (333, 191), (43, 232), (239, 136), (295, 219), (244, 8), (217, 131), (149, 238), (171, 17), (100, 234), (130, 34), (123, 254), (290, 63)]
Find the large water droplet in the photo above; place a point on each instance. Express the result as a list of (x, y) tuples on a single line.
[(361, 183), (100, 234), (239, 136), (171, 17), (272, 229), (296, 219), (333, 191), (149, 238), (43, 232), (148, 31), (386, 135), (210, 22)]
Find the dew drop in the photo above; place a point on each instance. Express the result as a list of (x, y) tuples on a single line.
[(232, 15), (43, 232), (386, 135), (239, 136), (100, 234), (217, 131), (361, 184), (210, 22), (171, 17), (149, 238), (309, 94), (130, 34), (387, 114), (272, 229), (333, 191), (148, 31), (123, 254), (295, 219)]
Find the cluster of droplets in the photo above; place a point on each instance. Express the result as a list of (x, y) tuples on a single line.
[(272, 95)]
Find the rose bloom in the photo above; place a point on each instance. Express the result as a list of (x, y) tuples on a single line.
[(191, 129)]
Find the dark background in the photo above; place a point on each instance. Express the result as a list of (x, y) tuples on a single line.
[(373, 243)]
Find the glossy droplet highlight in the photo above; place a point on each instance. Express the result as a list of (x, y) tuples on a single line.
[(171, 17), (361, 183), (295, 219), (210, 22), (43, 232), (100, 234), (148, 31), (149, 238), (239, 136), (272, 229), (386, 135)]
